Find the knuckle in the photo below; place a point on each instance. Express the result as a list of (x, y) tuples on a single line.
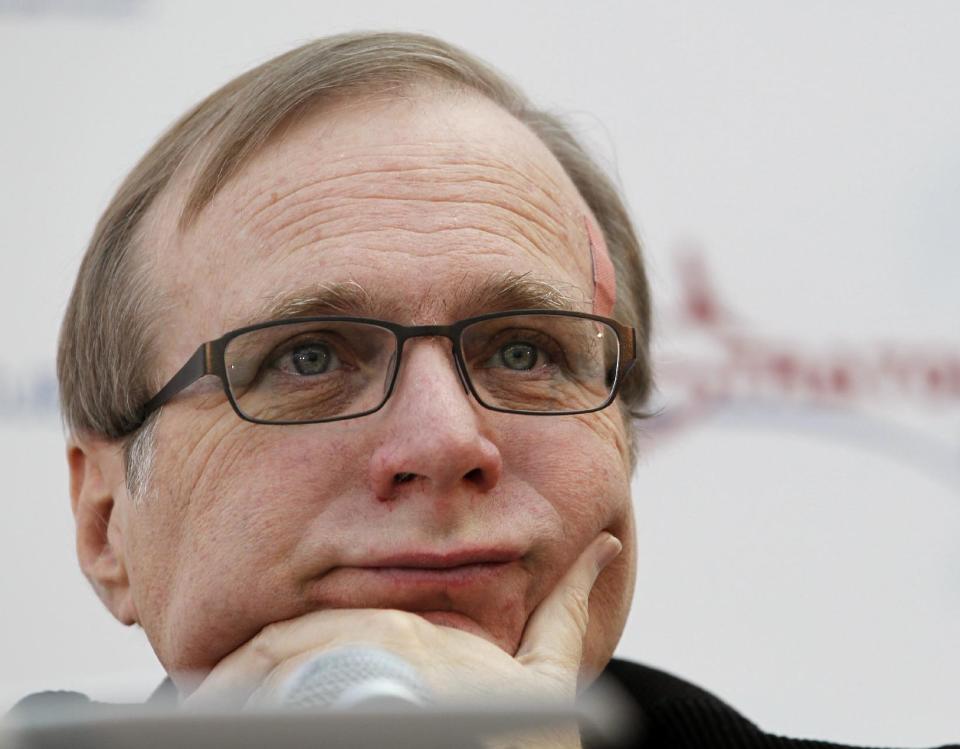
[(264, 643), (402, 631), (577, 605), (549, 662), (399, 623), (393, 618)]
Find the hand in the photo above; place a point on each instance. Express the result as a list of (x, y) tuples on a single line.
[(452, 663)]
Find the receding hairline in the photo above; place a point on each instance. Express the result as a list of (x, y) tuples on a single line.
[(191, 188), (237, 136)]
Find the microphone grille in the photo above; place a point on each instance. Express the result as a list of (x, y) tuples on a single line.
[(349, 676)]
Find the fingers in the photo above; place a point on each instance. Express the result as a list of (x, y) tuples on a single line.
[(278, 647), (553, 639)]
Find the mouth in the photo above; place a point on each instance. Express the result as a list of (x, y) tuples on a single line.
[(449, 569), (445, 560), (479, 590), (424, 579), (452, 576)]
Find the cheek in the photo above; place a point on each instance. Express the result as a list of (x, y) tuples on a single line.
[(219, 533), (243, 478), (578, 466)]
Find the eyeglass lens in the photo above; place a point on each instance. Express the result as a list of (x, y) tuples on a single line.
[(313, 371)]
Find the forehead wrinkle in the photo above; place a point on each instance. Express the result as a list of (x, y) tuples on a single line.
[(308, 204), (346, 163), (394, 157), (502, 222), (324, 228), (290, 218), (466, 240)]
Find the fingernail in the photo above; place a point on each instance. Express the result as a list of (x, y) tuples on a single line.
[(608, 552)]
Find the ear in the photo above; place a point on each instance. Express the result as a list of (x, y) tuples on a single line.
[(99, 500)]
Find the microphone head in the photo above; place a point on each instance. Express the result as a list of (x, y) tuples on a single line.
[(351, 677)]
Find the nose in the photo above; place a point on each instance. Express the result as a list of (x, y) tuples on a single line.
[(433, 437)]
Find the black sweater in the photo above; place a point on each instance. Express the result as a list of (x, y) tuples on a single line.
[(674, 714)]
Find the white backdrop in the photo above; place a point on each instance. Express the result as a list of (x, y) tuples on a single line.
[(795, 171)]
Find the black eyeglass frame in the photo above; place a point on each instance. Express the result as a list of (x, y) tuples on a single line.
[(210, 359)]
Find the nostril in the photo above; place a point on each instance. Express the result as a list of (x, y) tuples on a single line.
[(475, 476)]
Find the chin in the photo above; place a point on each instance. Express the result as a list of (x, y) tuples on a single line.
[(456, 620)]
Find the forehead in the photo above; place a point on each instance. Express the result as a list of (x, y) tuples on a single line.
[(416, 201)]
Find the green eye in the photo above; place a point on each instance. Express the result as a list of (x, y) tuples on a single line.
[(519, 356), (314, 359)]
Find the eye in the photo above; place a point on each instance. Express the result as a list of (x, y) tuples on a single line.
[(309, 360), (519, 356)]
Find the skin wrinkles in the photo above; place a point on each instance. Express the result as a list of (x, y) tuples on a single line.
[(209, 464), (405, 180), (478, 186), (438, 162), (384, 236), (470, 239), (613, 425), (251, 523), (393, 211), (273, 200), (325, 217)]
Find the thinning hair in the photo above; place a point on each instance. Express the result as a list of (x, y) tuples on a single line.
[(105, 354)]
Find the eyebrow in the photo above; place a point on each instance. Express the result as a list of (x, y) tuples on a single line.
[(500, 292), (511, 291)]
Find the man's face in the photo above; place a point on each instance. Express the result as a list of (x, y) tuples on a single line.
[(417, 204)]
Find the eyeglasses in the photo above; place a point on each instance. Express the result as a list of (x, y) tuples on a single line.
[(317, 369)]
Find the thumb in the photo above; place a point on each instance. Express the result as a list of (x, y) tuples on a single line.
[(554, 635)]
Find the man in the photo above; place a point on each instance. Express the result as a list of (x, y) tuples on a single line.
[(352, 358)]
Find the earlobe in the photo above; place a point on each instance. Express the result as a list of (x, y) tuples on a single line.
[(97, 497)]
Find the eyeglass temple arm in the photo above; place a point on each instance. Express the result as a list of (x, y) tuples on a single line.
[(196, 367), (632, 352)]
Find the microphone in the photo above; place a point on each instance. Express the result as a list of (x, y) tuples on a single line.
[(354, 678)]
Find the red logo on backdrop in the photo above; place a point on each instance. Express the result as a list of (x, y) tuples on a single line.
[(882, 394)]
